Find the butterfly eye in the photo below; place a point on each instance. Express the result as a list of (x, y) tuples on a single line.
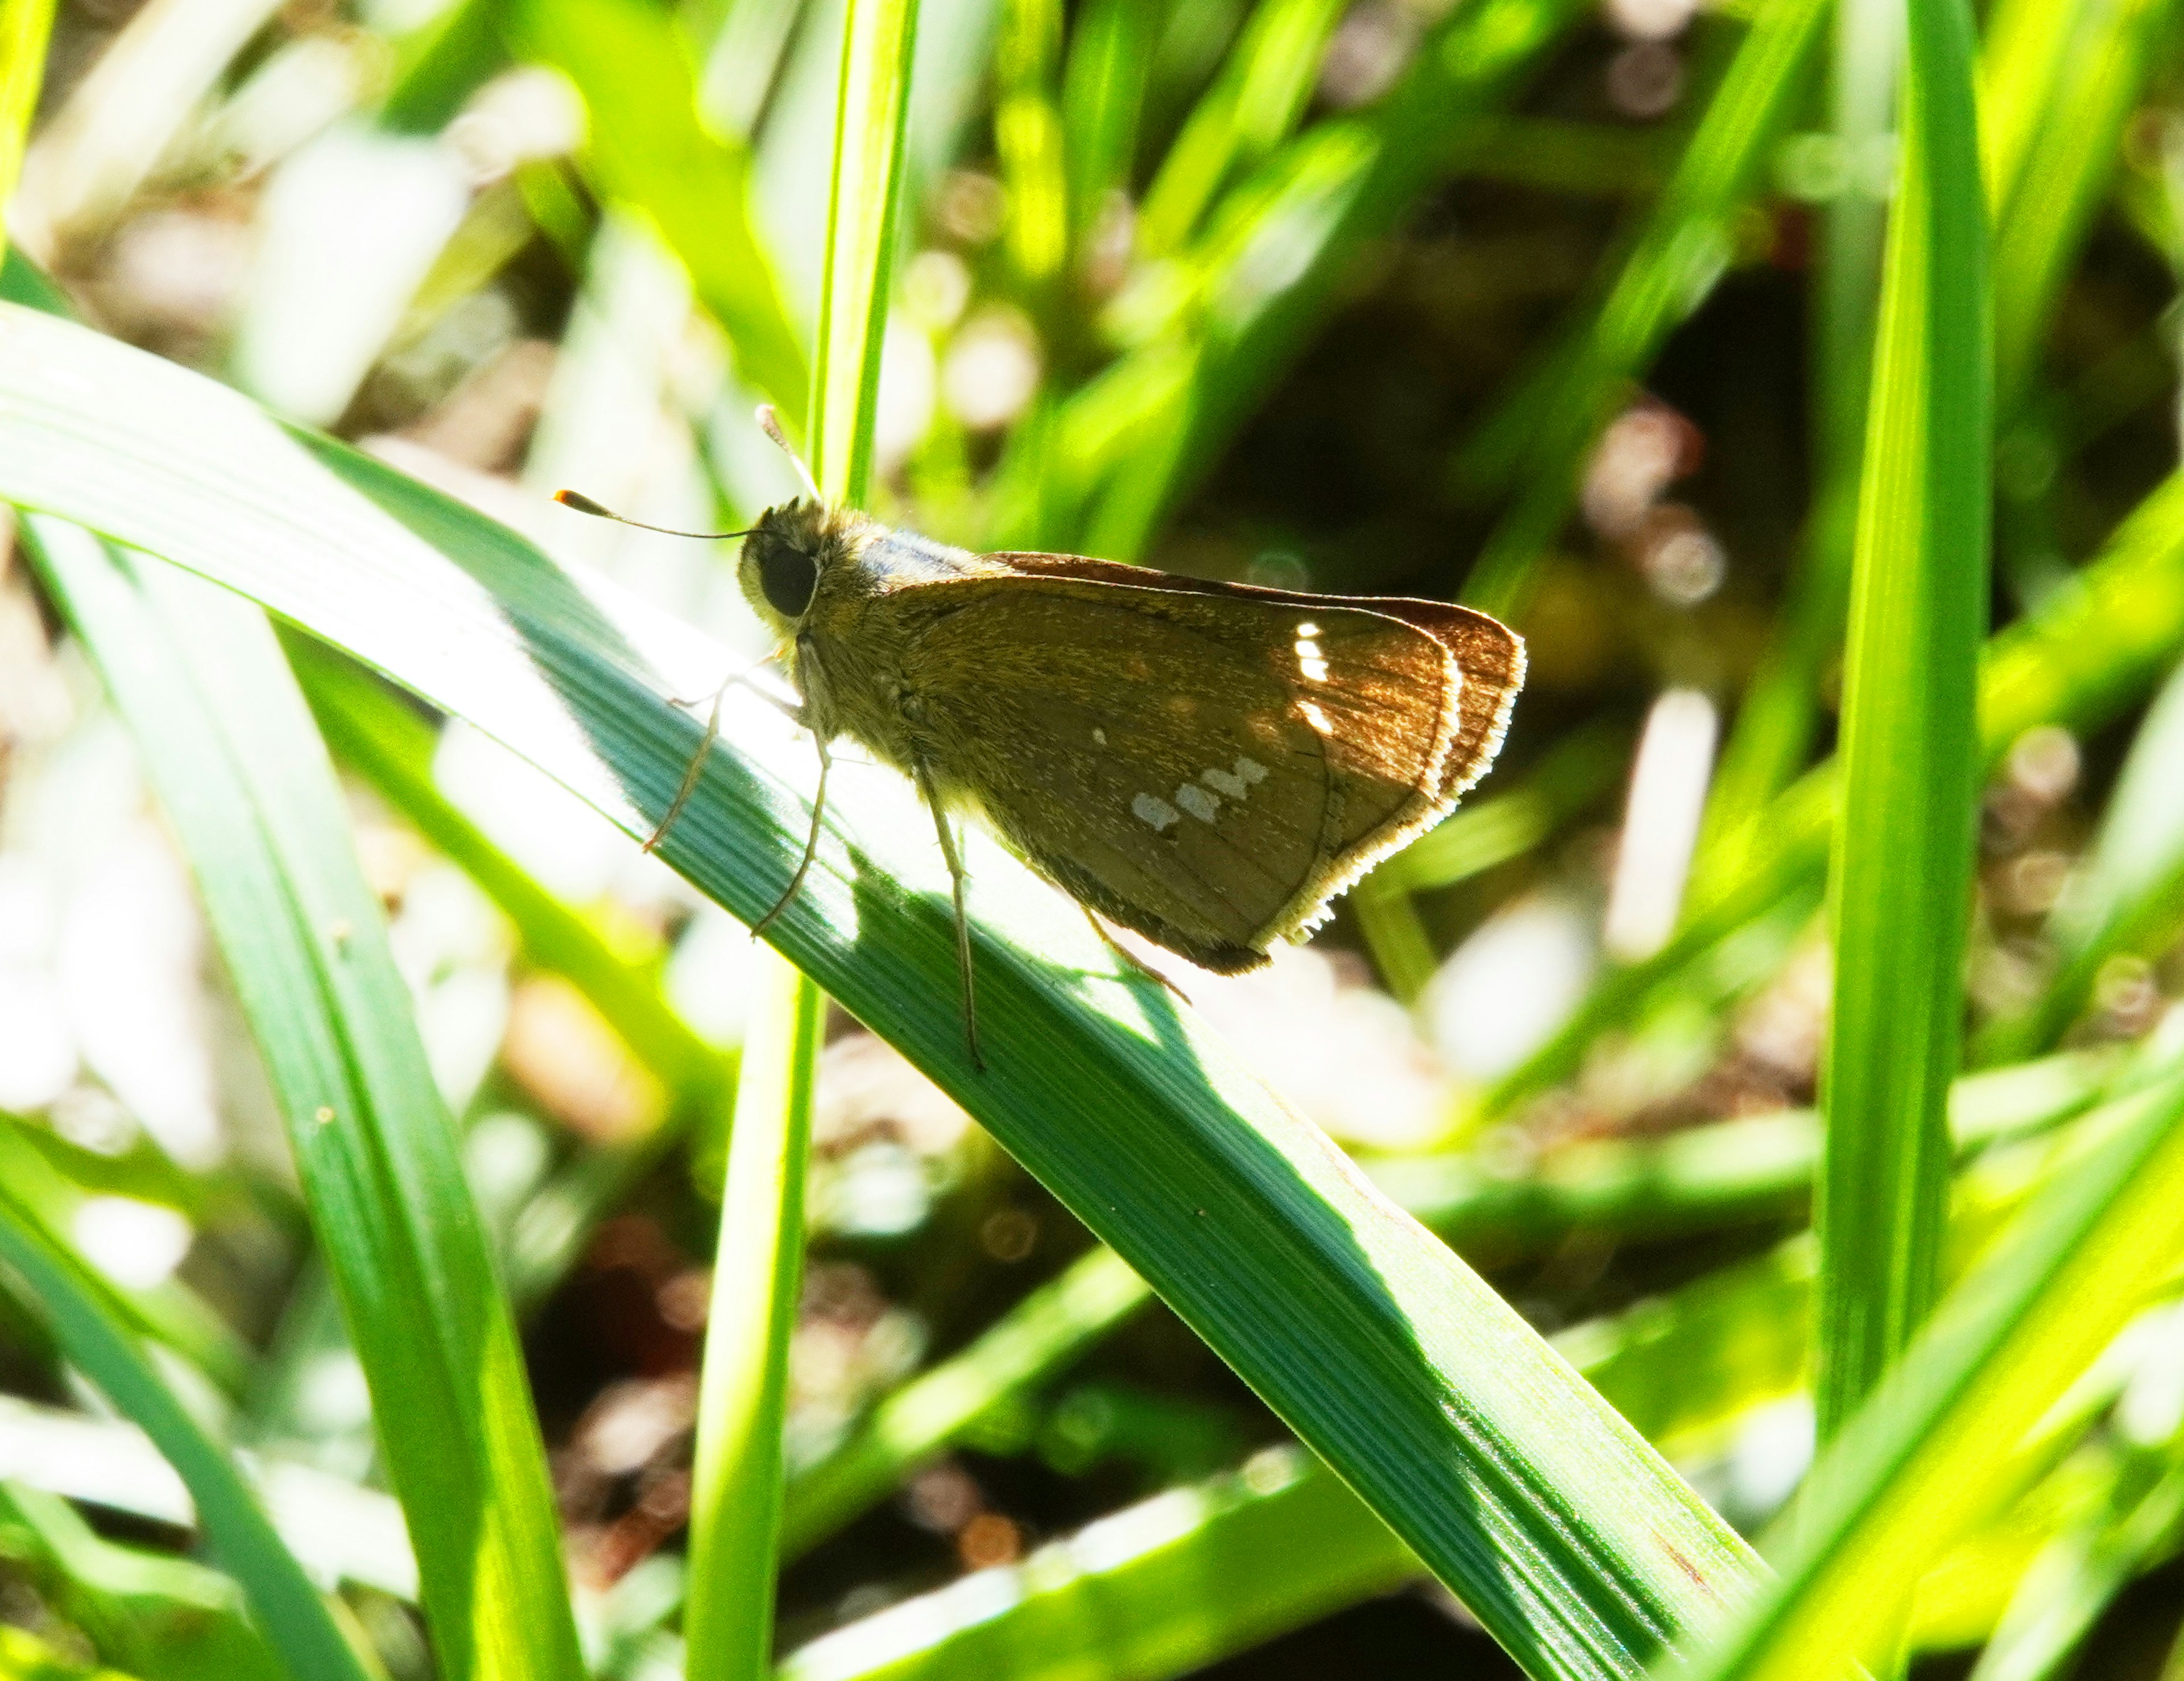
[(788, 576)]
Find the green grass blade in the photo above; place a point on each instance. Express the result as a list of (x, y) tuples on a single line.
[(1111, 52), (286, 1606), (1679, 255), (1901, 871), (737, 1495), (1930, 1455), (1572, 1542), (229, 747), (878, 38), (736, 1486)]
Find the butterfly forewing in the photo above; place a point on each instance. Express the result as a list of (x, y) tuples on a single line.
[(1203, 774)]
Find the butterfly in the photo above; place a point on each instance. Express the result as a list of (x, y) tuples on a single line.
[(1208, 764)]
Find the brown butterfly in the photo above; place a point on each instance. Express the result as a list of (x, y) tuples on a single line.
[(1206, 763)]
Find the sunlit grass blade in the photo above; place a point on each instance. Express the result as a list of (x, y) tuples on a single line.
[(1931, 1453), (1027, 134), (2082, 1569), (1901, 875), (1681, 251), (165, 1617), (287, 1607), (169, 1312), (735, 1484), (229, 747), (735, 1520), (1112, 54), (1567, 1537)]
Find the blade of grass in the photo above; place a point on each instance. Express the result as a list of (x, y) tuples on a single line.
[(289, 1609), (2062, 84), (1900, 885), (735, 1483), (1028, 135), (1103, 91), (1930, 1455), (736, 1491), (229, 748), (1572, 1542), (167, 1618)]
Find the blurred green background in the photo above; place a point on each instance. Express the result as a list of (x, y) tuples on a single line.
[(1564, 311)]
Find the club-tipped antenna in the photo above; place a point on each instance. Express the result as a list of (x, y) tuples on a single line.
[(584, 505), (770, 423)]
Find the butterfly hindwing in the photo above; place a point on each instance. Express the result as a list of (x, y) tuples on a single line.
[(1206, 771)]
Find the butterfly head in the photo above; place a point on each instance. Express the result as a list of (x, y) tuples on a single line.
[(783, 556)]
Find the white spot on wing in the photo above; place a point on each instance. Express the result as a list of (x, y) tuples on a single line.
[(1310, 661), (1315, 717), (1099, 736), (1198, 802), (1225, 783), (1152, 809), (1251, 770)]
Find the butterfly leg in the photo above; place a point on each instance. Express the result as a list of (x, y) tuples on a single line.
[(810, 842), (960, 879), (696, 768), (1130, 958)]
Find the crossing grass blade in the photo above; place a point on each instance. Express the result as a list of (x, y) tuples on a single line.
[(1570, 1539)]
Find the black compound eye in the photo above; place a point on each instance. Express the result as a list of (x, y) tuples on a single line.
[(788, 577)]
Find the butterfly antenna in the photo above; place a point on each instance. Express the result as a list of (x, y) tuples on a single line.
[(770, 423), (584, 505)]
